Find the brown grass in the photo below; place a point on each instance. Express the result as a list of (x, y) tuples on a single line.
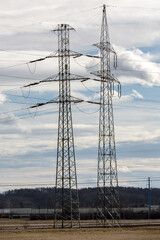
[(137, 233)]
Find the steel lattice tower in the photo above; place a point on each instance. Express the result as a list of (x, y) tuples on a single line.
[(107, 179), (66, 192)]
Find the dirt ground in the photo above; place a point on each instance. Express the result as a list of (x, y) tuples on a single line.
[(136, 233)]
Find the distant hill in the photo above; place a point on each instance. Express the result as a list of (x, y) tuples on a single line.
[(44, 197)]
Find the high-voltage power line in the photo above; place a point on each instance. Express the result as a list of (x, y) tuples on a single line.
[(107, 180), (66, 194)]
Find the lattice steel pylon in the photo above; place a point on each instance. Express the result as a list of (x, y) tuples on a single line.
[(107, 179), (66, 192)]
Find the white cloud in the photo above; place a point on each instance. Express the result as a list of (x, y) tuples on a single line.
[(136, 94), (2, 98), (25, 28), (138, 164), (124, 169), (132, 96), (137, 67)]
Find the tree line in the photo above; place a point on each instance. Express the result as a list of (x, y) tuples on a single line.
[(44, 197)]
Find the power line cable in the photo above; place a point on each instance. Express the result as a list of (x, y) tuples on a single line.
[(19, 77), (45, 169), (86, 66), (138, 107), (132, 70), (15, 60), (90, 89), (31, 61), (119, 60), (19, 96), (80, 183), (124, 84), (26, 63), (22, 53), (134, 60), (84, 111), (133, 7), (5, 120), (13, 102), (16, 65), (24, 116)]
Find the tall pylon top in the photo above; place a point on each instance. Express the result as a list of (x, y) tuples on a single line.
[(106, 50), (63, 26), (104, 28)]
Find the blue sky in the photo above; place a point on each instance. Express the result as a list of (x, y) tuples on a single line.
[(28, 143)]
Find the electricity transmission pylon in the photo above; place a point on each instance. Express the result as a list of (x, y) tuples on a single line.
[(66, 191), (107, 179)]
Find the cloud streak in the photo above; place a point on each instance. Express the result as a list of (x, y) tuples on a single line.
[(25, 29)]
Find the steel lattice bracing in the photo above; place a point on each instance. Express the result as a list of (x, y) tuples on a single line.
[(66, 193), (107, 180)]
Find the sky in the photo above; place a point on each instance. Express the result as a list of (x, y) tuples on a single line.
[(29, 137)]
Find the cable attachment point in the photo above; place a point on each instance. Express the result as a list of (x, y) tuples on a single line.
[(32, 115), (119, 90), (112, 88), (23, 92), (34, 70), (115, 60)]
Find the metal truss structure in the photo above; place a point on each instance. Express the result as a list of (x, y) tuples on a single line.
[(66, 192), (107, 179)]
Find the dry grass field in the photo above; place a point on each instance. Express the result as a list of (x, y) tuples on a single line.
[(136, 233)]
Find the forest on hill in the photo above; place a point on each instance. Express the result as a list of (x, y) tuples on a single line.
[(44, 197)]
